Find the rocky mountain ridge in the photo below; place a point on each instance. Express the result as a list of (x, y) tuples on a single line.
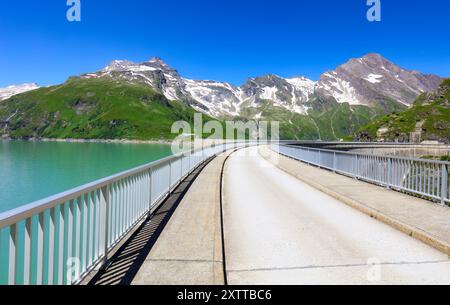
[(370, 80)]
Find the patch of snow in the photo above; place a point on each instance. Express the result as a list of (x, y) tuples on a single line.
[(141, 68), (303, 85), (301, 82), (341, 90), (170, 93), (219, 98), (399, 79), (300, 109), (374, 78), (269, 93)]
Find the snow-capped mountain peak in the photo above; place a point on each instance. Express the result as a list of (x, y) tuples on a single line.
[(373, 78), (291, 94), (157, 61), (361, 81), (10, 91), (217, 97), (155, 73), (119, 65)]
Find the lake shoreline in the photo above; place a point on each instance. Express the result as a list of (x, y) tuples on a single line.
[(101, 141)]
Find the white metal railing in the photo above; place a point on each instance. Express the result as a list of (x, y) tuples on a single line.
[(426, 178), (59, 240)]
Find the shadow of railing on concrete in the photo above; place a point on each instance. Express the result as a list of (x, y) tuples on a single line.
[(126, 262)]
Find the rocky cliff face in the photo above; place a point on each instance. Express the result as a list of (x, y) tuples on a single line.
[(375, 80)]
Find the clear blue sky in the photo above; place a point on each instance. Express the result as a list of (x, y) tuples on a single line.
[(228, 40)]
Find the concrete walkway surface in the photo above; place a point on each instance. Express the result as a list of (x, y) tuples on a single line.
[(281, 230), (189, 250), (424, 220)]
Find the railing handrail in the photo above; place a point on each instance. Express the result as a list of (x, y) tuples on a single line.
[(427, 178), (370, 155), (14, 215), (368, 143), (9, 217)]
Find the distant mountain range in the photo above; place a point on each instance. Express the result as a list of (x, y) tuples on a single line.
[(7, 92), (364, 81), (337, 105)]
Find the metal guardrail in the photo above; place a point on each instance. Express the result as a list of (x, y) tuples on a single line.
[(59, 240), (363, 144), (427, 178)]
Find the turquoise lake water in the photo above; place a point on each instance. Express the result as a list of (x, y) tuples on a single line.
[(30, 171)]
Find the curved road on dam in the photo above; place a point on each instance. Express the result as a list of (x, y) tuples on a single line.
[(278, 230)]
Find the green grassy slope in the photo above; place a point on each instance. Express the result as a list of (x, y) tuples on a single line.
[(433, 110), (92, 109), (331, 121)]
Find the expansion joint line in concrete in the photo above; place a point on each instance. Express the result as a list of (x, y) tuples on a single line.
[(222, 222), (222, 227), (339, 266)]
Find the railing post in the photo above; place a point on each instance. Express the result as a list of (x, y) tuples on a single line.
[(27, 265), (181, 169), (389, 173), (61, 262), (41, 248), (150, 193), (334, 162), (444, 186), (13, 251), (170, 176), (318, 160), (106, 198), (190, 163), (351, 166), (203, 150), (52, 243)]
